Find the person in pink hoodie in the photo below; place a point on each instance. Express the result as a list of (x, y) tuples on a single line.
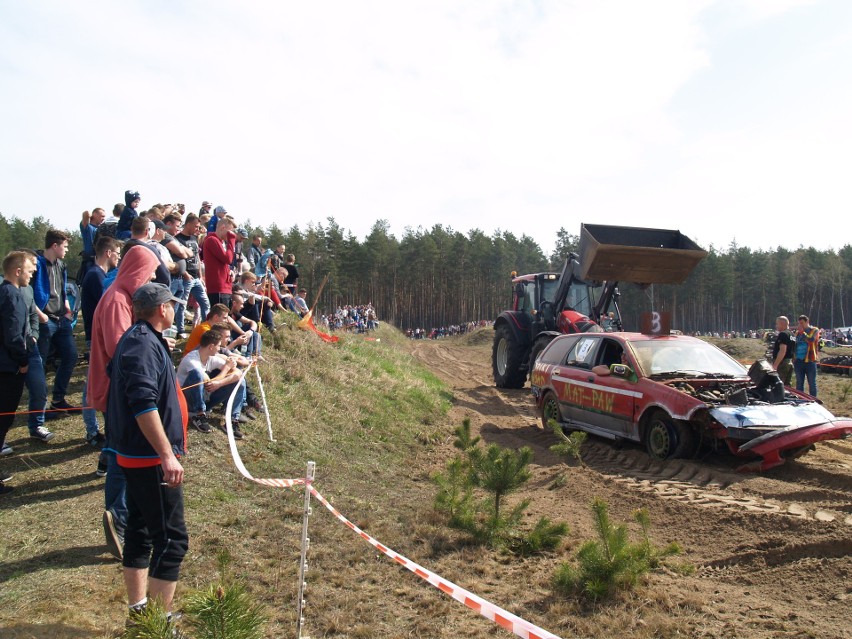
[(113, 316)]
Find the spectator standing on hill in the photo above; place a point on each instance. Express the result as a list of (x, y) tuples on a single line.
[(18, 268), (56, 334), (107, 253), (148, 422), (300, 303), (218, 213), (193, 286), (218, 254), (278, 257), (88, 230), (113, 316), (131, 201), (805, 360), (35, 381), (142, 231), (782, 350), (292, 279)]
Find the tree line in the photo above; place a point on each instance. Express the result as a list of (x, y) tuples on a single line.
[(438, 277)]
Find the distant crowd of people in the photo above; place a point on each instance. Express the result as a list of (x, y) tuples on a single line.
[(446, 331), (147, 279), (353, 319)]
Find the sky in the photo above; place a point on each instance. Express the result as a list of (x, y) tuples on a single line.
[(726, 119)]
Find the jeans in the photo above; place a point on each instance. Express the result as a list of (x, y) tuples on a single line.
[(195, 288), (198, 400), (115, 486), (55, 336), (37, 389), (805, 369), (179, 290), (90, 415)]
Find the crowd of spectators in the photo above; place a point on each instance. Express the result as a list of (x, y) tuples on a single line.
[(147, 279), (353, 319), (445, 331)]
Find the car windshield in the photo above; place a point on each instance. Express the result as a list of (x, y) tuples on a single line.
[(690, 358)]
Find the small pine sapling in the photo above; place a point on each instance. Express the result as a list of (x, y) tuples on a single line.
[(570, 446)]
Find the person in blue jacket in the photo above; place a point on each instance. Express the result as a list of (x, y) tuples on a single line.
[(131, 202), (147, 421), (18, 267)]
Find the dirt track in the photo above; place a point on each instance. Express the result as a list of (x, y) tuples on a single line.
[(773, 552)]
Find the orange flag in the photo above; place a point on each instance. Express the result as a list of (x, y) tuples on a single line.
[(307, 324)]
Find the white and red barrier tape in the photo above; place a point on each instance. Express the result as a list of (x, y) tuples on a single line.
[(504, 618)]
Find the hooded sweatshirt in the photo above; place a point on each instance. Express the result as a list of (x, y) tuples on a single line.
[(113, 316)]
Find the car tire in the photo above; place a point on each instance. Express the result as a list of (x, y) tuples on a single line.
[(661, 440), (550, 410), (687, 440), (507, 358)]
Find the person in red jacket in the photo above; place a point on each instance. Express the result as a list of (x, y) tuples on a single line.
[(217, 253)]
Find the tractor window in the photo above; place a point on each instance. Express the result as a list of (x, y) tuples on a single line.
[(583, 353), (548, 290), (581, 298), (526, 297), (557, 350)]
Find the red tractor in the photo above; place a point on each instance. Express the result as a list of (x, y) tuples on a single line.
[(545, 305)]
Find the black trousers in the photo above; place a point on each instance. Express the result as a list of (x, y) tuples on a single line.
[(11, 389), (219, 298), (155, 536)]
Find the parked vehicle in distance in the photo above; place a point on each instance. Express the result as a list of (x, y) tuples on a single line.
[(674, 392)]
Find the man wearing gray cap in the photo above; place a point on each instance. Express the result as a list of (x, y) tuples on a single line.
[(148, 432)]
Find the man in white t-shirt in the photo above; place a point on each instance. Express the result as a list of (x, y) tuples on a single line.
[(208, 379)]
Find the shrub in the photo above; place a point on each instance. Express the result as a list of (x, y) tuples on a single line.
[(611, 563), (570, 445), (495, 472)]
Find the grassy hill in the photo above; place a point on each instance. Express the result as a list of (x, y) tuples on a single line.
[(361, 409)]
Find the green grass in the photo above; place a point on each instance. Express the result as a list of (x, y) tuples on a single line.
[(360, 409)]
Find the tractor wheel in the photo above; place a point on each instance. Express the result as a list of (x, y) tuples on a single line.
[(507, 358), (538, 346), (660, 437), (550, 410)]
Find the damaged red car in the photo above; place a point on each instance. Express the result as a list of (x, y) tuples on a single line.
[(675, 393)]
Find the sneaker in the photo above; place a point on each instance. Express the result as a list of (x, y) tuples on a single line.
[(102, 465), (42, 434), (4, 489), (4, 477), (97, 440), (64, 406), (199, 423), (240, 419), (237, 432), (114, 540), (255, 404), (248, 413), (6, 450)]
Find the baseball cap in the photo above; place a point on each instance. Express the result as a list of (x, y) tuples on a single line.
[(159, 224), (219, 209), (153, 294), (206, 203)]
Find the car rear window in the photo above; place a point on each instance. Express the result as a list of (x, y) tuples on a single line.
[(557, 350)]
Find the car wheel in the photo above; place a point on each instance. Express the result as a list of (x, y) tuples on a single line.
[(687, 440), (507, 357), (661, 437), (550, 410)]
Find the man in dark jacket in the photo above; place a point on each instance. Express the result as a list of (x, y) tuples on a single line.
[(147, 418), (55, 336), (18, 268), (131, 203)]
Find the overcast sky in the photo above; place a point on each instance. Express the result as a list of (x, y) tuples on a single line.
[(728, 119)]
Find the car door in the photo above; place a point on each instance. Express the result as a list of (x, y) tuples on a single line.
[(612, 396), (572, 376)]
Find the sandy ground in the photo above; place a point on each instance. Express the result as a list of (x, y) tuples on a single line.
[(773, 552)]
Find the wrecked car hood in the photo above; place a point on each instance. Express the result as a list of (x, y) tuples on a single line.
[(772, 415)]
